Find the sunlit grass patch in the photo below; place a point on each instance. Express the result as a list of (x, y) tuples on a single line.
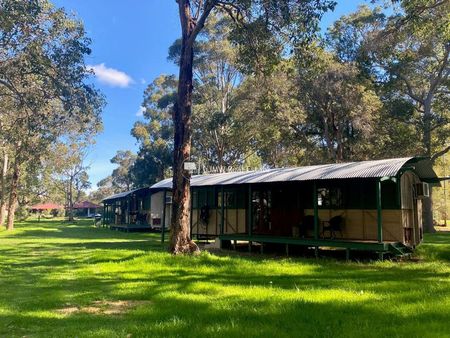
[(77, 280)]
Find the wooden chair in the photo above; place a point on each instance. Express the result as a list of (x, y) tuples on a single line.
[(335, 224)]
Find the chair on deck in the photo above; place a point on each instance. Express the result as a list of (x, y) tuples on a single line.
[(335, 224)]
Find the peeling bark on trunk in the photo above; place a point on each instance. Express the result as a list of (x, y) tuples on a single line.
[(13, 196), (180, 237), (3, 194)]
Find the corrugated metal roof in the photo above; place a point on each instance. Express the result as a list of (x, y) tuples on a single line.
[(363, 169), (122, 194)]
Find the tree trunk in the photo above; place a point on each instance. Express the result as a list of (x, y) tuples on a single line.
[(13, 196), (427, 206), (3, 174), (427, 126), (180, 237), (427, 214), (70, 201)]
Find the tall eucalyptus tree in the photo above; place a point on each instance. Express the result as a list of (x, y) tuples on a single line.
[(262, 30)]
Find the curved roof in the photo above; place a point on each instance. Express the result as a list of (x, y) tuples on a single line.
[(363, 169)]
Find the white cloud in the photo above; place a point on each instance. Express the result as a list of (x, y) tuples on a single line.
[(143, 81), (111, 76), (141, 111)]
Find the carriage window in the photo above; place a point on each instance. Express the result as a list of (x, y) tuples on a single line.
[(229, 198), (202, 197), (329, 197)]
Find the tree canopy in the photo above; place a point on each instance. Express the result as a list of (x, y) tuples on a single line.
[(43, 90)]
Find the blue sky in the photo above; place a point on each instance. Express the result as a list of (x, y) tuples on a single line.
[(130, 40)]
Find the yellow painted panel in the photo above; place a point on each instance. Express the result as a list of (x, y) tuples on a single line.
[(362, 224), (235, 221)]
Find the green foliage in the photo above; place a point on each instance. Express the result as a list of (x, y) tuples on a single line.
[(22, 213), (70, 172), (407, 56), (44, 97), (121, 178), (341, 108), (223, 130), (45, 47), (348, 35), (272, 103), (78, 280), (155, 136), (104, 189), (441, 195), (267, 31)]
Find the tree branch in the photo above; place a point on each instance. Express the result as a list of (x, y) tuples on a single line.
[(439, 154), (207, 8), (233, 11), (440, 74), (410, 90), (417, 13)]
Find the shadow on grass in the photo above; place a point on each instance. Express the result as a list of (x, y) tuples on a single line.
[(141, 245), (437, 238), (435, 247), (180, 312), (231, 295), (82, 231)]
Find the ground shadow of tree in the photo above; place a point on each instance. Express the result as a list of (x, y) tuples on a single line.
[(229, 295)]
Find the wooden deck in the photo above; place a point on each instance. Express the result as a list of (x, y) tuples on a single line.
[(336, 243), (382, 248)]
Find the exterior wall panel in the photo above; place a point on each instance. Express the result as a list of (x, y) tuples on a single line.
[(362, 224)]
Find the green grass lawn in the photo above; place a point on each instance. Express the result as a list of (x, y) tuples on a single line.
[(60, 280)]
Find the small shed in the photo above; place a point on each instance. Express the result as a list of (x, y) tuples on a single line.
[(367, 205), (49, 206), (86, 208)]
